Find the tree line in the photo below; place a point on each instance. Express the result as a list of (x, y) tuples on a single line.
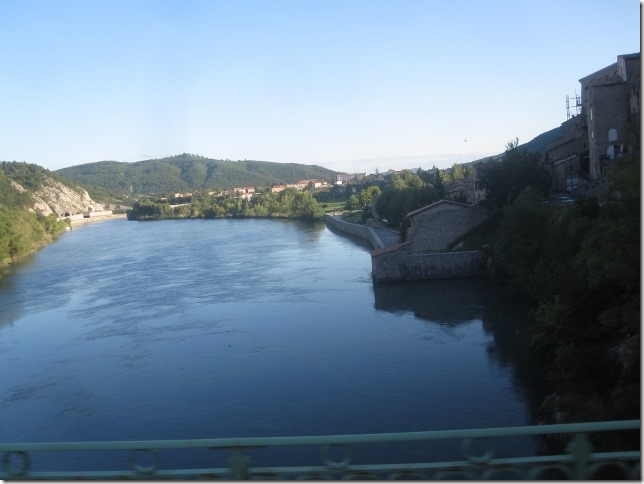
[(580, 265), (289, 203)]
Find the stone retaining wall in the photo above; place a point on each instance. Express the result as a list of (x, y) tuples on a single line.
[(401, 264), (357, 230)]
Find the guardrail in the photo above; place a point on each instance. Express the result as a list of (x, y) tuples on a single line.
[(142, 459)]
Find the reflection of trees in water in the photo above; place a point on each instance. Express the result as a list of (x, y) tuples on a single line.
[(312, 230), (455, 301), (10, 307), (449, 301)]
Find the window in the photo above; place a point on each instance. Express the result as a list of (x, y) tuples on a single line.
[(612, 134)]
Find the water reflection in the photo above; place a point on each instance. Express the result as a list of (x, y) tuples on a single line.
[(12, 305), (202, 328), (459, 301), (449, 301)]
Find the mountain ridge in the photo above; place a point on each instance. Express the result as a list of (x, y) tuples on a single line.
[(187, 172)]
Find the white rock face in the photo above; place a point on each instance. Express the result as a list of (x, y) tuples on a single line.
[(54, 197)]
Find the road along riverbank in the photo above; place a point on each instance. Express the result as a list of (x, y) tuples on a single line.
[(102, 218)]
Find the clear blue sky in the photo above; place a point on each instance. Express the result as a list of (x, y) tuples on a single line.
[(352, 85)]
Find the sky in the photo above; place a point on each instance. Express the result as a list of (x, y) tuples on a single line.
[(350, 85)]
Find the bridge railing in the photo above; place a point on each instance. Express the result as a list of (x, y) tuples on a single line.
[(332, 457)]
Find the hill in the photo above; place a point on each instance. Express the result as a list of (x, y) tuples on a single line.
[(31, 198), (537, 144), (187, 172), (32, 188)]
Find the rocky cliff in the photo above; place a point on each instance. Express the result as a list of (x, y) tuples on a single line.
[(54, 197)]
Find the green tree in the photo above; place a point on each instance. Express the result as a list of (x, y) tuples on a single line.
[(437, 183), (504, 180), (305, 207), (581, 263), (368, 193), (353, 203), (406, 179), (521, 238), (394, 204), (457, 172)]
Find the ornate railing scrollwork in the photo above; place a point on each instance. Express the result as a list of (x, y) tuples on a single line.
[(338, 457)]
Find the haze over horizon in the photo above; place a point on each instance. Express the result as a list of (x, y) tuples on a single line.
[(350, 85)]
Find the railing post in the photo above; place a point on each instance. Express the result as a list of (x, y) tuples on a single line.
[(239, 465), (580, 450)]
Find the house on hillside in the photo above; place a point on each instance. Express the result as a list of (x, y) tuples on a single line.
[(278, 188), (244, 192), (596, 132), (349, 177), (463, 190), (309, 184)]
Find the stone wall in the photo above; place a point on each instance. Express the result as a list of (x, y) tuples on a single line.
[(401, 264), (436, 230), (361, 231)]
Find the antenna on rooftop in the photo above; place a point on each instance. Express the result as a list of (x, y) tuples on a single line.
[(570, 106)]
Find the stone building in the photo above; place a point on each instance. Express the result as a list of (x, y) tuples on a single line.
[(350, 177), (437, 226), (597, 132)]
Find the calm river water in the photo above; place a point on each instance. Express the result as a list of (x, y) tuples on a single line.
[(227, 328)]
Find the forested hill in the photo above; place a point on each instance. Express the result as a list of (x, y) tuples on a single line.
[(537, 144), (188, 172), (30, 198)]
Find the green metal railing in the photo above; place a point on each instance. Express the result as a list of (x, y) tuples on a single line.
[(335, 460)]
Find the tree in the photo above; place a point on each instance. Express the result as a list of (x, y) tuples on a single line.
[(394, 204), (457, 172), (504, 180), (437, 183), (581, 264), (406, 179), (521, 238), (367, 195), (353, 203), (443, 176), (305, 207)]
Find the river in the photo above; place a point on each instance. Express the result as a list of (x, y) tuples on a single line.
[(226, 328)]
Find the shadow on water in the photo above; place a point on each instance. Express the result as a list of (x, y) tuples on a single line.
[(459, 301)]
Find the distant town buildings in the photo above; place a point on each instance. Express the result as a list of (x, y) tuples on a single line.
[(349, 177)]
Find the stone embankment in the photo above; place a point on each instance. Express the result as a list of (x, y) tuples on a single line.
[(402, 264), (357, 230), (395, 261)]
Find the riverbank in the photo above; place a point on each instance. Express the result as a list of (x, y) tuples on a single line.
[(103, 218)]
